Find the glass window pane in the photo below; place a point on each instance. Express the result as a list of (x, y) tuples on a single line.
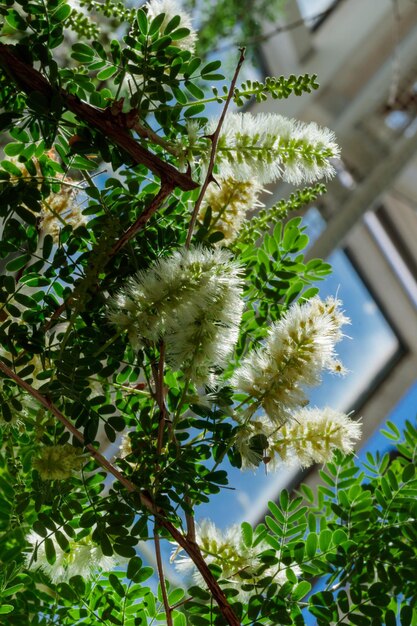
[(312, 10)]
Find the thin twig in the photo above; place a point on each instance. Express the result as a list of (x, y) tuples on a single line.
[(191, 548), (163, 193), (283, 29), (159, 383), (189, 518), (154, 205), (214, 140), (161, 576)]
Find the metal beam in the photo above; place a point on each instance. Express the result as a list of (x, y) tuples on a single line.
[(364, 197)]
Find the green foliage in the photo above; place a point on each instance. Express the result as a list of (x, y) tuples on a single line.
[(81, 213), (276, 275)]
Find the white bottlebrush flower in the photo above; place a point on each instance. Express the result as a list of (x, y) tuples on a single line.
[(296, 351), (310, 436), (170, 8), (269, 146), (240, 565), (192, 301), (230, 200), (84, 558)]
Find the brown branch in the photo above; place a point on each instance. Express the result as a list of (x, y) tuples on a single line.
[(168, 610), (157, 201), (190, 547), (159, 384), (313, 19), (154, 205), (195, 555), (214, 140), (31, 80), (189, 519)]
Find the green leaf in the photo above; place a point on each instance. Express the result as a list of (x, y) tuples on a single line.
[(11, 168), (108, 72), (13, 149), (325, 539), (142, 21), (133, 568), (144, 574), (272, 525), (194, 90), (62, 540), (156, 24), (83, 53), (124, 550), (339, 537), (12, 590), (105, 545), (408, 473), (311, 545), (6, 608), (406, 615), (179, 33), (117, 585), (301, 590), (50, 551), (61, 14), (210, 67), (176, 596), (15, 20), (247, 534), (195, 109)]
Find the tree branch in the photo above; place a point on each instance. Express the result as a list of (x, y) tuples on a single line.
[(190, 547), (31, 80), (214, 140), (168, 610), (312, 19), (154, 205)]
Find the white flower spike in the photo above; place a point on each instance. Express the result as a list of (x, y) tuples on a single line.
[(269, 146), (84, 558), (191, 301), (297, 350)]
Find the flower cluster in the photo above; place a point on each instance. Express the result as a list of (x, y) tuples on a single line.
[(192, 302), (297, 350), (81, 558), (229, 201), (171, 10), (59, 208), (310, 436), (253, 151), (269, 146), (241, 565), (58, 462)]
